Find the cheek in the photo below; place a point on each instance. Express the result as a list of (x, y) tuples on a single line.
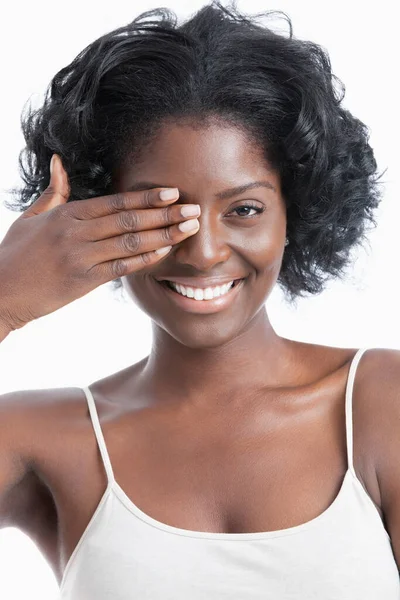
[(263, 249), (144, 291), (135, 286)]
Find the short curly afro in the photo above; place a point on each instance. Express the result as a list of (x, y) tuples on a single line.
[(224, 64)]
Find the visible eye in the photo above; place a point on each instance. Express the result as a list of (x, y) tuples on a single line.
[(249, 206)]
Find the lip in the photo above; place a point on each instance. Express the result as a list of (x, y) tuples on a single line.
[(201, 283), (201, 306)]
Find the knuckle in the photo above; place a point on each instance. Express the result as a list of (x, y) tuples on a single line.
[(127, 220), (117, 201), (56, 213), (167, 215), (130, 242), (167, 235), (118, 268), (96, 273), (147, 258), (56, 230), (63, 210), (65, 232), (60, 220), (68, 232), (148, 197), (72, 262)]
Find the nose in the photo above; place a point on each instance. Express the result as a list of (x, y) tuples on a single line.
[(205, 249)]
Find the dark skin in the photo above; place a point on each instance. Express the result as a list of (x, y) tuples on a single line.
[(225, 426), (235, 346)]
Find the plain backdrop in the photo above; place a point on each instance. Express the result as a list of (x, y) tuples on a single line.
[(103, 332)]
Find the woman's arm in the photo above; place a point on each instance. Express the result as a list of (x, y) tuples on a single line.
[(5, 327), (4, 330), (13, 465), (378, 408)]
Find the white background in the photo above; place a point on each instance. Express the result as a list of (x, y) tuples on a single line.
[(100, 333)]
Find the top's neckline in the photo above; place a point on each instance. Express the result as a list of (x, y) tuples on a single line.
[(133, 508)]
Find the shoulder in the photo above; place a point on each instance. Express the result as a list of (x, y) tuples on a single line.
[(32, 424), (377, 399), (34, 409), (376, 403), (27, 415), (379, 366), (377, 414)]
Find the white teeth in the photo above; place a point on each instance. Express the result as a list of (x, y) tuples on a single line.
[(200, 294)]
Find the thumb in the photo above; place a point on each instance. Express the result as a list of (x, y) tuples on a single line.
[(56, 193)]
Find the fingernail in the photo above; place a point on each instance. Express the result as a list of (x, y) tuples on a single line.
[(163, 250), (169, 194), (190, 210), (52, 164), (189, 225)]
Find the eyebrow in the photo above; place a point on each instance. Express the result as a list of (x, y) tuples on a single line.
[(141, 185)]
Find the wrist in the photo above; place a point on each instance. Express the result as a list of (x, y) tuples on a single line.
[(5, 329)]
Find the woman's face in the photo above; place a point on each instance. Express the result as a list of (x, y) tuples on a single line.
[(233, 242)]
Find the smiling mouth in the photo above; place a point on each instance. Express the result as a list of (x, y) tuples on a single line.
[(170, 285), (202, 306)]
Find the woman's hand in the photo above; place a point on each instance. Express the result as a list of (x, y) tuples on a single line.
[(56, 252)]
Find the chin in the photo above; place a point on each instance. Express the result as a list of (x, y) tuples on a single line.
[(203, 335)]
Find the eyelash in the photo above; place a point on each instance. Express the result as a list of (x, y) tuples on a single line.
[(250, 205)]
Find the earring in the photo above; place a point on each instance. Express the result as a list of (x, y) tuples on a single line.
[(287, 241)]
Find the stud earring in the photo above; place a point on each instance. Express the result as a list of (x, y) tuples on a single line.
[(287, 241)]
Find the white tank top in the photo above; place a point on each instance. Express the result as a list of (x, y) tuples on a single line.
[(344, 553)]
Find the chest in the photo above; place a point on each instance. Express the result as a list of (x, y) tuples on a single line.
[(262, 471)]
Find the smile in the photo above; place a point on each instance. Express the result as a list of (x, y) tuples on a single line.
[(198, 300), (200, 293)]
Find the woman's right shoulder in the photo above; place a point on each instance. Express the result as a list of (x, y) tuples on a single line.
[(30, 423), (23, 412), (24, 408)]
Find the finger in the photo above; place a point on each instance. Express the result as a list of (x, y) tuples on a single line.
[(102, 206), (130, 244), (56, 193), (136, 221), (107, 271)]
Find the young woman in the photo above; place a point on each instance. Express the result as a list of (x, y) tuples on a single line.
[(231, 462)]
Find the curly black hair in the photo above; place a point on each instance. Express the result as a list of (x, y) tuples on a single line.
[(113, 97)]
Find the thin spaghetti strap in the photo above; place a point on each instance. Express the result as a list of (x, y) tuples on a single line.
[(99, 434), (349, 407)]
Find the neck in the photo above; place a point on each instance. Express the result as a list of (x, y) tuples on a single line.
[(255, 359)]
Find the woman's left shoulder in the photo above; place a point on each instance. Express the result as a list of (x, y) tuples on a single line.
[(376, 411), (378, 374), (376, 399)]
